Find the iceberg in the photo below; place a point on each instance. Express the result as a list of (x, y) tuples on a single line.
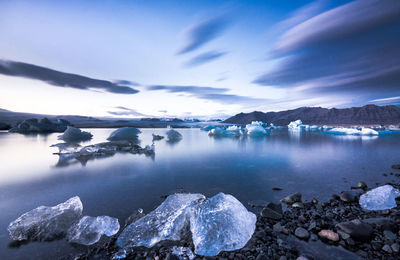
[(157, 137), (73, 134), (295, 125), (173, 135), (44, 125), (166, 222), (220, 223), (393, 128), (208, 128), (89, 230), (256, 129), (381, 198), (46, 223), (129, 134), (352, 131), (233, 130), (218, 131)]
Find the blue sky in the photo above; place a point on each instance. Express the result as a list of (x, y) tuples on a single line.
[(197, 58)]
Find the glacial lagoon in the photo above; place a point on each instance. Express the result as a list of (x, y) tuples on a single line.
[(310, 162)]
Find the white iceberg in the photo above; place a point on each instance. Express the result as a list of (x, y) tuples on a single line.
[(394, 128), (73, 134), (220, 223), (166, 222), (381, 198), (129, 134), (46, 223), (352, 131), (173, 135), (233, 130), (256, 129), (295, 125), (89, 230), (313, 127)]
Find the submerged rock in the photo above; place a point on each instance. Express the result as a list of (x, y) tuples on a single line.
[(44, 125), (129, 134), (380, 198), (220, 223), (173, 135), (46, 223), (73, 134), (166, 222), (90, 229)]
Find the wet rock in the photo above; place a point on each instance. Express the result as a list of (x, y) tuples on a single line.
[(262, 256), (292, 198), (277, 189), (343, 235), (349, 196), (329, 234), (298, 205), (387, 249), (395, 247), (381, 223), (396, 166), (258, 203), (356, 229), (301, 233), (389, 235), (279, 228), (269, 213), (362, 185)]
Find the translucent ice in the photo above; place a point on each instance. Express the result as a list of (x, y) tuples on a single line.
[(183, 253), (90, 229), (43, 125), (295, 124), (125, 134), (233, 131), (166, 222), (208, 128), (73, 134), (352, 131), (46, 223), (218, 131), (380, 198), (173, 135), (220, 223), (256, 129), (368, 131)]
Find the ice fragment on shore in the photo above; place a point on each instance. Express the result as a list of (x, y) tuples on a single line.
[(183, 253), (381, 198), (90, 229), (220, 223), (129, 134), (46, 223), (166, 222), (73, 134)]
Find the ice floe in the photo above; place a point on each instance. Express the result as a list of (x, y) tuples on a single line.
[(73, 134), (296, 125), (44, 125), (352, 131), (218, 131), (381, 198), (256, 129), (166, 222), (173, 135), (46, 223), (157, 137), (89, 230), (129, 134), (220, 223)]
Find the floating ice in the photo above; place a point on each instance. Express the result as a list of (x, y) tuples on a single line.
[(393, 128), (166, 222), (298, 124), (67, 147), (256, 129), (157, 137), (208, 128), (43, 125), (352, 131), (233, 130), (220, 223), (129, 134), (183, 253), (218, 131), (90, 229), (381, 198), (73, 134), (173, 135), (46, 223)]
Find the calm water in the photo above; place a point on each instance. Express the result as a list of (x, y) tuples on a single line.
[(314, 164)]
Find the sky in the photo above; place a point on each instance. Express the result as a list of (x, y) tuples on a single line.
[(205, 59)]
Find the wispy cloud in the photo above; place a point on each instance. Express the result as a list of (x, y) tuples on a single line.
[(203, 32), (352, 50), (211, 94), (124, 111), (389, 100), (61, 79), (205, 58)]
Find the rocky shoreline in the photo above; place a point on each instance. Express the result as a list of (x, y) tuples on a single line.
[(294, 229)]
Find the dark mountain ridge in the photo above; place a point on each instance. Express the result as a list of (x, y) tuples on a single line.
[(369, 114)]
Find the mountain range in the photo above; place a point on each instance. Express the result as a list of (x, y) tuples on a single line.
[(369, 114)]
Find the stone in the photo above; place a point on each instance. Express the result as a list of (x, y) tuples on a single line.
[(269, 213), (329, 234), (395, 247), (348, 196), (292, 198), (302, 233), (387, 249), (298, 205), (389, 235), (356, 229), (396, 166)]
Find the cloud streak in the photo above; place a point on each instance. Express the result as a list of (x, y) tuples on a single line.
[(205, 58), (203, 32), (61, 79), (124, 111), (352, 50)]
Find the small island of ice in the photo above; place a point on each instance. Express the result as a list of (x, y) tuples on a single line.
[(352, 131), (129, 134), (73, 134), (173, 135)]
